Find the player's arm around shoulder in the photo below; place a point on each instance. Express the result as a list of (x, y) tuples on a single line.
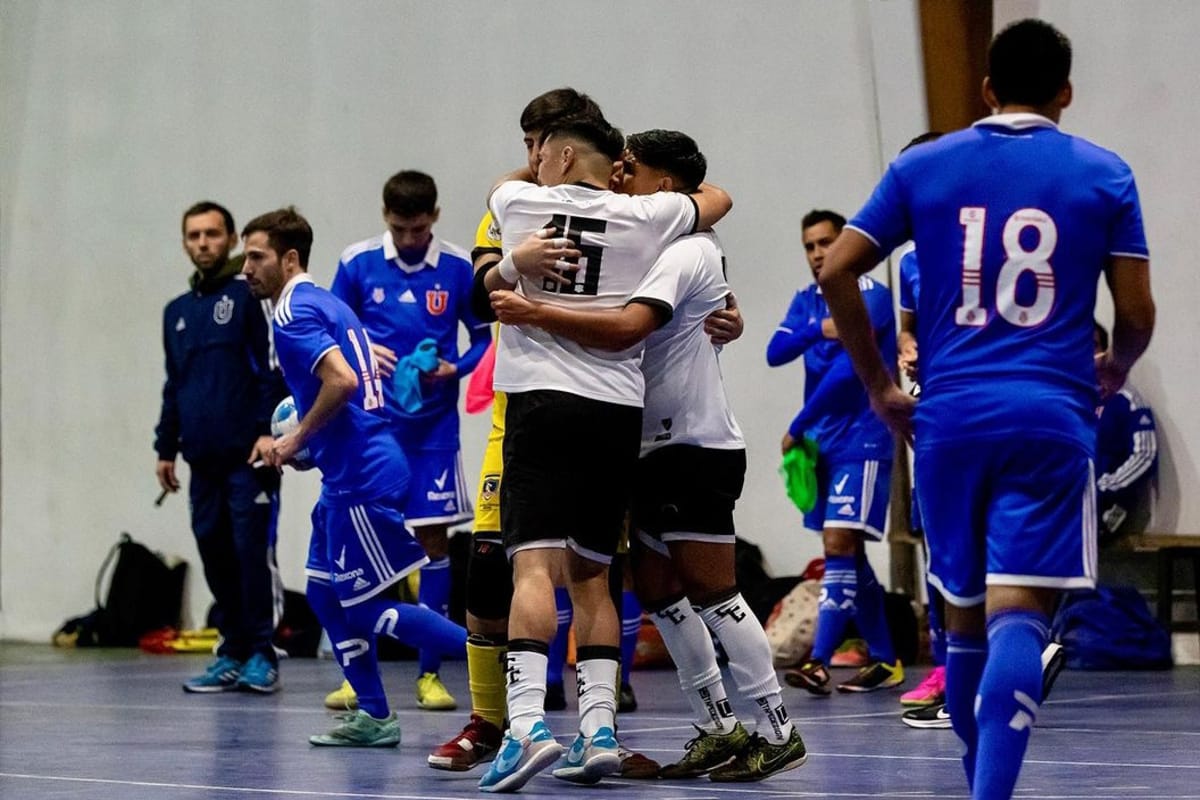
[(613, 329), (712, 204)]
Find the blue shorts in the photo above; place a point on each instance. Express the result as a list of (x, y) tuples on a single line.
[(438, 493), (1007, 512), (851, 494), (361, 549)]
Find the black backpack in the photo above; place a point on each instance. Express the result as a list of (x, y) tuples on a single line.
[(144, 594)]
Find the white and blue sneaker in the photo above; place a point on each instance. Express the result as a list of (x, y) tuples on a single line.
[(590, 759), (520, 759)]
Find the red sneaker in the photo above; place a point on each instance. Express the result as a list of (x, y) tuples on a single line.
[(476, 743)]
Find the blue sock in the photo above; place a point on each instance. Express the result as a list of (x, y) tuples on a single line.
[(631, 624), (1009, 695), (434, 594), (558, 648), (353, 648), (965, 657), (839, 588), (937, 628), (869, 615), (415, 626)]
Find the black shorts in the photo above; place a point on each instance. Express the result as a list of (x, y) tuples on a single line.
[(684, 491), (568, 471)]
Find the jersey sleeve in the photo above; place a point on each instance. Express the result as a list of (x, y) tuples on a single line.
[(345, 286), (671, 214), (501, 196), (794, 335), (1127, 236), (885, 217), (305, 338), (666, 284)]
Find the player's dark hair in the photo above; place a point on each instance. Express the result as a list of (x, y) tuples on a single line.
[(285, 230), (1029, 62), (203, 207), (409, 193), (555, 104), (1101, 333), (673, 152), (819, 215), (928, 136), (592, 130)]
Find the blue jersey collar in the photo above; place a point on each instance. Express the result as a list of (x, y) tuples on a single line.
[(431, 255), (1019, 121)]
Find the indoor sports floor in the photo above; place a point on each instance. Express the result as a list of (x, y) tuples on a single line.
[(115, 724)]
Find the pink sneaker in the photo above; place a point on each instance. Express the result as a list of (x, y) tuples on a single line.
[(929, 692)]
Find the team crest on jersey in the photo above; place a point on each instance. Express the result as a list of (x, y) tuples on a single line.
[(490, 484), (493, 231), (436, 301), (379, 295), (223, 310)]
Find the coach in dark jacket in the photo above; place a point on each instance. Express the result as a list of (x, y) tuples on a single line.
[(217, 400)]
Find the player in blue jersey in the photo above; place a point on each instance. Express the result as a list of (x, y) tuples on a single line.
[(1014, 222), (854, 468), (360, 545), (1126, 458), (410, 288)]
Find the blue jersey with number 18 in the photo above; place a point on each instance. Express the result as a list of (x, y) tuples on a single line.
[(358, 457), (1014, 222)]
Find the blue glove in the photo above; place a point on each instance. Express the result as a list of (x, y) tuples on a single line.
[(407, 380)]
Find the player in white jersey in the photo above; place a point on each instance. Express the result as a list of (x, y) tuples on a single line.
[(689, 476), (560, 510)]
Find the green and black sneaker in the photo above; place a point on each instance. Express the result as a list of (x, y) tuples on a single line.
[(707, 752), (763, 759)]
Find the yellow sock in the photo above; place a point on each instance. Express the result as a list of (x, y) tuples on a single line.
[(485, 676)]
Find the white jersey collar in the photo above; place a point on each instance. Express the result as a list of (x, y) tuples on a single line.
[(1019, 121), (291, 285), (431, 255)]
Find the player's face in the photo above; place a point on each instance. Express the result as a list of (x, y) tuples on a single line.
[(552, 165), (410, 233), (531, 149), (817, 241), (638, 178), (206, 241), (263, 269)]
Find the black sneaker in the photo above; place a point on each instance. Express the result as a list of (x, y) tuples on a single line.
[(928, 717), (763, 759), (556, 698), (1054, 658), (626, 701), (708, 751), (810, 676), (874, 676)]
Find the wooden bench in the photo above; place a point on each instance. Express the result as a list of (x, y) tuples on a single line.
[(1167, 547)]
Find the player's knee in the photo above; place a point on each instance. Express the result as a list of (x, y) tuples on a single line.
[(843, 542), (489, 580), (435, 540), (707, 597)]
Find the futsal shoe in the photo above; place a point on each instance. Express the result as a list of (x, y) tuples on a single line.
[(810, 676), (927, 717), (432, 694), (259, 675), (852, 653), (219, 676), (626, 699), (471, 746), (590, 758), (636, 766), (873, 677), (708, 751), (520, 759), (929, 692), (342, 698), (360, 729), (1054, 658), (761, 759)]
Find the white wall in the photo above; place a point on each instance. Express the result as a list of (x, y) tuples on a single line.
[(118, 115)]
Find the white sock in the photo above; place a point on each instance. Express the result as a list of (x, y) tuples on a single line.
[(526, 671), (742, 636), (596, 678), (688, 641)]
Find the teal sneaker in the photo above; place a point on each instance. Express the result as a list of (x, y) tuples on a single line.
[(220, 676), (360, 729), (521, 759), (762, 759), (590, 759), (259, 674)]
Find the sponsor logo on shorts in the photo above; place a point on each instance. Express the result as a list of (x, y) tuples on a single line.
[(360, 584), (491, 484), (440, 481), (342, 577), (437, 497), (841, 498), (840, 486), (846, 511)]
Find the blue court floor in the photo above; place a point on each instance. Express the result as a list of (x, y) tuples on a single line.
[(115, 724)]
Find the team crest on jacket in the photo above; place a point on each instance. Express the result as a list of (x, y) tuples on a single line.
[(379, 295), (223, 310), (436, 301)]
